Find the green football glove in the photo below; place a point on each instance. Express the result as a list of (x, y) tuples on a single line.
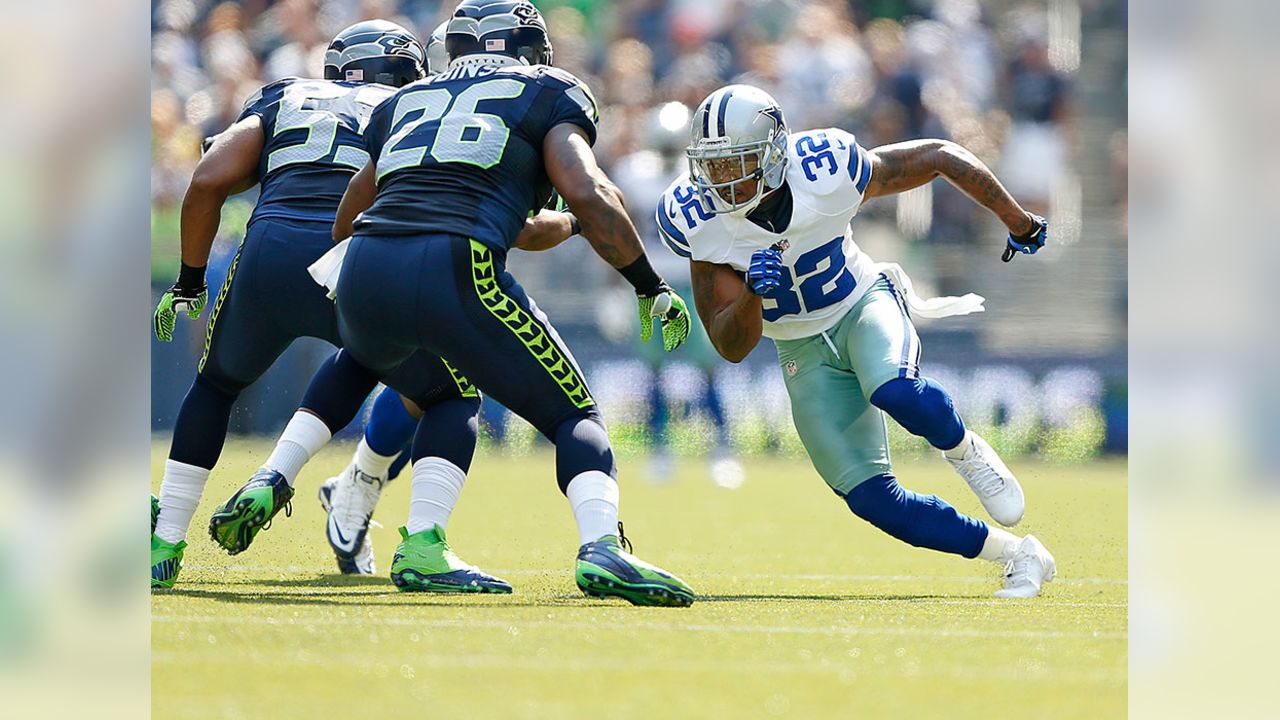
[(189, 293), (666, 307)]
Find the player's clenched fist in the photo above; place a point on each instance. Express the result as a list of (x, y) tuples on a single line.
[(668, 309), (764, 276), (1029, 243), (189, 293)]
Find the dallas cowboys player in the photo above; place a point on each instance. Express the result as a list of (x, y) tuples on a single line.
[(763, 216)]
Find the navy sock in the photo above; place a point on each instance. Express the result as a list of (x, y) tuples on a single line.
[(406, 453), (201, 428), (390, 425), (338, 390), (925, 521), (923, 408), (447, 430), (582, 444)]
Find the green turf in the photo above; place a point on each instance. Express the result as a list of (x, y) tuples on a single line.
[(805, 611)]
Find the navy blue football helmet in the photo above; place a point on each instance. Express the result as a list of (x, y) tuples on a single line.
[(513, 28), (375, 51)]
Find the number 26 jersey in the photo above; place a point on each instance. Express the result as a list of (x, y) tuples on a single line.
[(824, 271), (461, 153)]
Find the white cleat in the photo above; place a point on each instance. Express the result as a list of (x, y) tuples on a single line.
[(1031, 567), (349, 500), (989, 478)]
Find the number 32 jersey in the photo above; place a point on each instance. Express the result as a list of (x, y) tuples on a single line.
[(312, 144), (824, 271), (461, 152)]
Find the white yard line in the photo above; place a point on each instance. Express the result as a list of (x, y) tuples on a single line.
[(714, 628)]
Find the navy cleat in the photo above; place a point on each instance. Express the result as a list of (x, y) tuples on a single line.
[(237, 521)]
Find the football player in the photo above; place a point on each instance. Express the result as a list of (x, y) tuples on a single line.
[(300, 141), (481, 144), (763, 216)]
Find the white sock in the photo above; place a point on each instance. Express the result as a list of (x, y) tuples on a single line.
[(180, 491), (302, 437), (593, 495), (958, 452), (370, 462), (1000, 545), (437, 483)]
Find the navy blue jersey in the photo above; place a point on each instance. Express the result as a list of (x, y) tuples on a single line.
[(461, 152), (312, 144)]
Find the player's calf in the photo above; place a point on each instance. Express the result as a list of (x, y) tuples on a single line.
[(924, 408)]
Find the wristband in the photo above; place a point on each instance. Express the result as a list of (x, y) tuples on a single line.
[(575, 227), (191, 277), (642, 277)]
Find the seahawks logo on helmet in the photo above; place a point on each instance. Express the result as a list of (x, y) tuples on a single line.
[(375, 51), (513, 28)]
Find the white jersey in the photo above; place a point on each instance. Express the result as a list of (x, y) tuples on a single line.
[(825, 273)]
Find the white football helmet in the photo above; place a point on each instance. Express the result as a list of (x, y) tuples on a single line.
[(736, 122), (437, 57)]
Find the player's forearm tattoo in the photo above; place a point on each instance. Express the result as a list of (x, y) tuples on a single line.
[(903, 166), (964, 170)]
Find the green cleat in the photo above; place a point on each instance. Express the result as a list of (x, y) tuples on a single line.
[(605, 569), (237, 521), (155, 512), (425, 563), (166, 561)]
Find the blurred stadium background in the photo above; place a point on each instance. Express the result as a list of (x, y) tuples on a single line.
[(1037, 89)]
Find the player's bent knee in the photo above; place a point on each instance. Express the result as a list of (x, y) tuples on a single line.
[(220, 384), (582, 445), (924, 408)]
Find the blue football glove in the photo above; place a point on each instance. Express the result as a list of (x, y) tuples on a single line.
[(764, 276), (1027, 244)]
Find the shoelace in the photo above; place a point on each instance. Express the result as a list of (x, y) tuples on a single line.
[(982, 477), (358, 514), (622, 539), (1017, 571)]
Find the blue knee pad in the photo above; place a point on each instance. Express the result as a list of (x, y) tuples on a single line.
[(390, 425), (923, 408), (925, 521)]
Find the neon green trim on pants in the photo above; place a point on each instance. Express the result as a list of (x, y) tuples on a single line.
[(525, 327), (217, 307)]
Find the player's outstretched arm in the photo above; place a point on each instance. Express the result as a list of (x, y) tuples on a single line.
[(902, 166), (229, 166), (597, 203), (729, 311), (361, 190)]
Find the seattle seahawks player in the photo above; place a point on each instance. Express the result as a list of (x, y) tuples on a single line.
[(763, 216), (485, 142), (300, 140)]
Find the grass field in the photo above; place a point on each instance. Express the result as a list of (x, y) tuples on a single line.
[(805, 611)]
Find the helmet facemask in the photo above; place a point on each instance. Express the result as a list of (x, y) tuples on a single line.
[(718, 168), (737, 149)]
